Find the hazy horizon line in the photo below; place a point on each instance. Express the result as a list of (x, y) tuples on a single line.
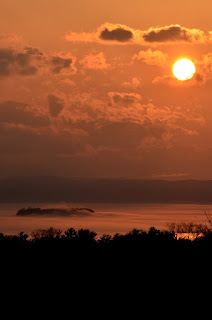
[(102, 178)]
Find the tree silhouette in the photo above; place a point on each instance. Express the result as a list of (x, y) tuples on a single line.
[(86, 236), (84, 243), (105, 239), (71, 233), (50, 233)]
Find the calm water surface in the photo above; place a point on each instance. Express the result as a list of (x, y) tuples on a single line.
[(108, 218)]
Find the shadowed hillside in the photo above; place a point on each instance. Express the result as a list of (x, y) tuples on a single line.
[(52, 189)]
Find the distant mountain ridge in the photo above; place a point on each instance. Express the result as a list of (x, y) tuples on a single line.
[(57, 189)]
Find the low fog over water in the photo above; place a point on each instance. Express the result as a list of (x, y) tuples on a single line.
[(107, 218)]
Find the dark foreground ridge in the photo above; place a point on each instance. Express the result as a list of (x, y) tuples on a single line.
[(54, 211), (77, 190)]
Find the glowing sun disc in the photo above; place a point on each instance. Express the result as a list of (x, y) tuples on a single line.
[(184, 69)]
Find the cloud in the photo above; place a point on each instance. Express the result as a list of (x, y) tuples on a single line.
[(201, 76), (85, 37), (59, 63), (206, 63), (18, 62), (165, 79), (111, 33), (204, 69), (25, 129), (151, 57), (33, 51), (124, 99), (118, 34), (144, 127), (198, 79), (95, 61), (10, 37), (154, 121), (56, 105), (128, 108), (121, 125), (12, 112), (107, 33), (173, 33), (29, 61), (133, 84)]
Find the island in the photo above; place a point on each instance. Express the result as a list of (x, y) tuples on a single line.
[(55, 211)]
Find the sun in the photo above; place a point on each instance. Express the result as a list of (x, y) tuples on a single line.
[(184, 69)]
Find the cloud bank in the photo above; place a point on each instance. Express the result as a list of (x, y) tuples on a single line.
[(109, 33), (15, 62), (98, 108), (29, 61)]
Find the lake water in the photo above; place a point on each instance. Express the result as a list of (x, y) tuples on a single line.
[(108, 218)]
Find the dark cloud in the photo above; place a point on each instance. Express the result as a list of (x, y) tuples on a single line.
[(56, 105), (118, 34), (19, 113), (33, 51), (200, 77), (124, 134), (172, 33), (13, 62), (124, 99), (30, 60), (59, 63)]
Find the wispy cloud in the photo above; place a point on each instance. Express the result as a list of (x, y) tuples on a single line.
[(151, 57), (95, 61)]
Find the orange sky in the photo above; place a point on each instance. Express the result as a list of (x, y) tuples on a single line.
[(86, 89)]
